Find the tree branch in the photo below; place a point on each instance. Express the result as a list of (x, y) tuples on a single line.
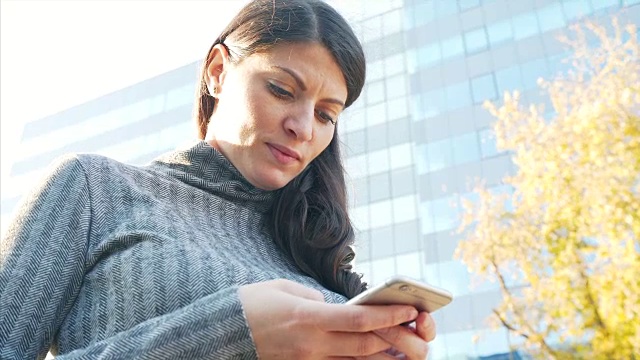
[(593, 304), (509, 326), (507, 292)]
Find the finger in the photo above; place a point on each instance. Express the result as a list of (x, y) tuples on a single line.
[(405, 341), (363, 318), (383, 356), (300, 290), (426, 327), (378, 356), (353, 344)]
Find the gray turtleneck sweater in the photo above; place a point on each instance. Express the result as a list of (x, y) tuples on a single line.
[(107, 260)]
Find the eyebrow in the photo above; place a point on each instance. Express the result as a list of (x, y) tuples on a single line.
[(301, 84)]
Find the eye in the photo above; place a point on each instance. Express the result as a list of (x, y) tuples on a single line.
[(325, 118), (279, 92)]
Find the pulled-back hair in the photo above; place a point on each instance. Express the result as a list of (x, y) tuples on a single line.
[(309, 219)]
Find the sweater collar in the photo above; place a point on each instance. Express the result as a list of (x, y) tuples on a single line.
[(204, 167)]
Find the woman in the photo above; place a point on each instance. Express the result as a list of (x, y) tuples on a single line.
[(237, 247)]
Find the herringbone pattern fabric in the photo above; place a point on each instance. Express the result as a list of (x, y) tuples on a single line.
[(107, 260)]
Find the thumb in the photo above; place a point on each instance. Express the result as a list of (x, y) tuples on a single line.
[(299, 290)]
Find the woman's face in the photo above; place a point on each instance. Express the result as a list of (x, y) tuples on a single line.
[(275, 109)]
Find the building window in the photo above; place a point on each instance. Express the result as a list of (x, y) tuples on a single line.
[(400, 156), (404, 208), (483, 88), (380, 187), (468, 4), (360, 217), (429, 55), (363, 267), (375, 92), (525, 25), (460, 345), (427, 225), (382, 242), (357, 166), (558, 64), (392, 22), (551, 17), (409, 265), (157, 104), (378, 161), (422, 159), (465, 148), (412, 61), (355, 142), (500, 32), (475, 40), (454, 276), (492, 342), (433, 103), (394, 64), (440, 155), (532, 71), (604, 4), (576, 9), (382, 269), (398, 108), (445, 213), (371, 29), (424, 12), (487, 143), (452, 47), (445, 8), (396, 86), (508, 79), (375, 70), (180, 96), (353, 120), (458, 95), (376, 114)]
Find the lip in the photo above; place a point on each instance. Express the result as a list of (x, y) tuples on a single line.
[(283, 154)]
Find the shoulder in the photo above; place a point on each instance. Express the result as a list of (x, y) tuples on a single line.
[(76, 163), (90, 168)]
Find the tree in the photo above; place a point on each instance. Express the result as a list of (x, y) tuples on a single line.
[(564, 246)]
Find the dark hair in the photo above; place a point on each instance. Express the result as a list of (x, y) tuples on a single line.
[(320, 242)]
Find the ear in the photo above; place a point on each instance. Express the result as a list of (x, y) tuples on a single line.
[(216, 69)]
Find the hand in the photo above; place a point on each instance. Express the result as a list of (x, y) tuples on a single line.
[(290, 321), (410, 342)]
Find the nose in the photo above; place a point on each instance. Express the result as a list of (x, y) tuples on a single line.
[(299, 123)]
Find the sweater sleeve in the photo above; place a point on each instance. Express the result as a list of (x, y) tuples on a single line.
[(42, 261), (213, 327), (42, 265)]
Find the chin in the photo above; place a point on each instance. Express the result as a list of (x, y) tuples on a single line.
[(274, 180)]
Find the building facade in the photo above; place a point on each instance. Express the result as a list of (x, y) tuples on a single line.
[(414, 143)]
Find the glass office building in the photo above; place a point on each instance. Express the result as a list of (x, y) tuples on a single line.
[(414, 142), (420, 137), (132, 125)]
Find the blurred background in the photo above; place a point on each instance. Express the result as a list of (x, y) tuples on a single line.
[(118, 78)]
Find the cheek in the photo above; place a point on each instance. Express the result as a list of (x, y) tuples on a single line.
[(324, 139), (251, 115), (260, 108)]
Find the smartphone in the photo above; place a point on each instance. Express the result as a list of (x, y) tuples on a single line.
[(401, 290)]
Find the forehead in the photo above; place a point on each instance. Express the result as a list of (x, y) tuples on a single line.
[(312, 61)]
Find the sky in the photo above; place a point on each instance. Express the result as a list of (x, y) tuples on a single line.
[(58, 54)]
